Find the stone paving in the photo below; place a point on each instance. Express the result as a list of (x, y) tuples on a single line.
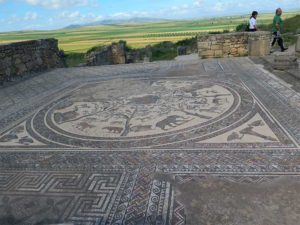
[(169, 143)]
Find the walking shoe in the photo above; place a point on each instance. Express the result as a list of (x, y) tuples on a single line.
[(284, 49)]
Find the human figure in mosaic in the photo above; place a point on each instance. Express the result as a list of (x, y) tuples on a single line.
[(277, 29)]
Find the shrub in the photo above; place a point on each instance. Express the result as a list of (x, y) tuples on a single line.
[(74, 59), (241, 27)]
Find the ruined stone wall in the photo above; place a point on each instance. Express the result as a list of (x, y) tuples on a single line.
[(234, 44), (19, 59), (117, 53), (107, 55)]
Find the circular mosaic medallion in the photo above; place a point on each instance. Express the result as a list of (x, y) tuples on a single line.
[(127, 113)]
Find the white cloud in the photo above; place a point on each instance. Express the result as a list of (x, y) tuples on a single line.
[(198, 3), (31, 16), (56, 4), (121, 15), (126, 15), (218, 7), (77, 17)]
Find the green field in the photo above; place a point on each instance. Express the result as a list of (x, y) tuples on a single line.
[(79, 40)]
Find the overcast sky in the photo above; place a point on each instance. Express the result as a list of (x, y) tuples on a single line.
[(52, 14)]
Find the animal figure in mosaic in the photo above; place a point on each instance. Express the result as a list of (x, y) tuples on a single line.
[(84, 125), (66, 116), (249, 131), (220, 101), (115, 130), (12, 135), (26, 140), (8, 137), (141, 128), (171, 121)]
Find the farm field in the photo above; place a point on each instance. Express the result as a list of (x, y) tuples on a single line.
[(79, 40)]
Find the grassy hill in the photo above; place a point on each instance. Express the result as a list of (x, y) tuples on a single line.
[(292, 24), (79, 40)]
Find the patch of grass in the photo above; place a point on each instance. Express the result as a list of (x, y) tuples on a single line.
[(292, 24), (74, 59), (164, 51), (289, 39)]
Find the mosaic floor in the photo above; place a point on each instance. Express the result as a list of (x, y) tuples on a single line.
[(186, 142)]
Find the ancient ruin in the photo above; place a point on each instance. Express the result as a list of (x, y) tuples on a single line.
[(183, 142), (23, 58), (117, 53), (234, 44), (175, 142)]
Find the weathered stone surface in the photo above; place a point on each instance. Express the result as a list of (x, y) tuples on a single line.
[(107, 55), (18, 59), (283, 61), (174, 142), (181, 50), (297, 47), (234, 44), (259, 44), (117, 54)]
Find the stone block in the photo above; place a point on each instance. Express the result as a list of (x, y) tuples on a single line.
[(213, 38), (218, 53), (284, 61), (243, 52), (216, 47), (118, 54), (233, 50), (204, 45), (20, 69), (207, 53), (259, 47)]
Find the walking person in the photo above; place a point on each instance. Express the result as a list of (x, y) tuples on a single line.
[(252, 22), (277, 29)]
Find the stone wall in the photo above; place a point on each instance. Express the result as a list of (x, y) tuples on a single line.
[(21, 58), (107, 55), (234, 44), (117, 53)]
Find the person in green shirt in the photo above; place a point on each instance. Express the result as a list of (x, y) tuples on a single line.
[(277, 29)]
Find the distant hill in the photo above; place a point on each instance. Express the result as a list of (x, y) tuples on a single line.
[(135, 20)]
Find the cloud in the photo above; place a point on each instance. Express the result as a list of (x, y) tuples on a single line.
[(30, 16), (77, 17), (56, 4), (219, 7), (121, 15), (198, 3)]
